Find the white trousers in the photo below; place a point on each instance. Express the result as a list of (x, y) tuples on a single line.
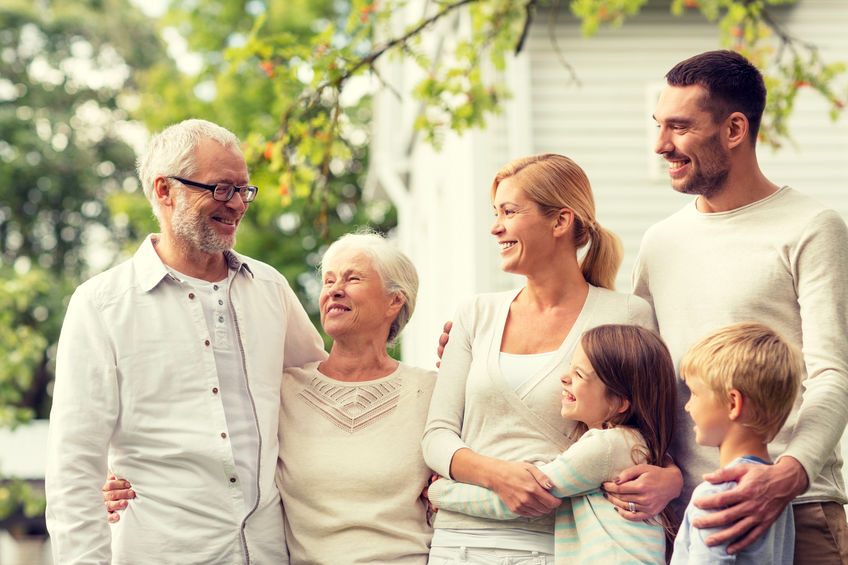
[(487, 556)]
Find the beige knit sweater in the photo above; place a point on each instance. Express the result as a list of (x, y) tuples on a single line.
[(351, 470)]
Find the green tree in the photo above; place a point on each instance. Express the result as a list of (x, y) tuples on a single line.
[(292, 217), (456, 95), (66, 75)]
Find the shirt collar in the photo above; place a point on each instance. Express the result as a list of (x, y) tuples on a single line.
[(150, 270)]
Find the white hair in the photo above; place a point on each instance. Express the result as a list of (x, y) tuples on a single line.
[(171, 152), (395, 269)]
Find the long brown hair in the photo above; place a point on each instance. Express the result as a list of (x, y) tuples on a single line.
[(634, 364), (555, 182)]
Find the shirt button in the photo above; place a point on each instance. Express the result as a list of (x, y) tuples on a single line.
[(215, 286), (224, 435), (221, 319), (232, 479), (214, 390), (206, 343), (191, 296), (220, 303)]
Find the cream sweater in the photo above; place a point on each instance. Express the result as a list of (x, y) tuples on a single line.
[(351, 471), (474, 407), (782, 261)]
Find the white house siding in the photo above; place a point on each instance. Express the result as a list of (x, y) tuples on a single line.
[(604, 124)]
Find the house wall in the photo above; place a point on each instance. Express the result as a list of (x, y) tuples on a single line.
[(604, 123)]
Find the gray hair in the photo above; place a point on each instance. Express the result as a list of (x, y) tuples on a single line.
[(395, 269), (171, 152)]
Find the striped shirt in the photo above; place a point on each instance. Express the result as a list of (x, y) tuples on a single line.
[(587, 528)]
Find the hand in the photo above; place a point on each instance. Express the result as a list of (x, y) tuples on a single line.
[(425, 494), (648, 487), (749, 509), (443, 341), (116, 492), (524, 489)]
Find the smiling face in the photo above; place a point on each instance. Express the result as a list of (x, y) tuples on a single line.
[(353, 299), (584, 396), (198, 221), (708, 412), (524, 234), (690, 141)]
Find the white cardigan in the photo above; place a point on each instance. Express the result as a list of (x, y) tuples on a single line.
[(474, 407)]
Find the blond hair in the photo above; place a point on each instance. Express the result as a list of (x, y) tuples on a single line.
[(755, 360), (555, 182)]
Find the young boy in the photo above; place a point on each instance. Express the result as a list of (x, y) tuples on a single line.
[(743, 381)]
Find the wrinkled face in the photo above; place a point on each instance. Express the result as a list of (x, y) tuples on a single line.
[(690, 142), (524, 234), (584, 395), (708, 412), (353, 300), (199, 222)]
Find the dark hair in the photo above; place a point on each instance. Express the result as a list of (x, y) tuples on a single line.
[(732, 83), (634, 364)]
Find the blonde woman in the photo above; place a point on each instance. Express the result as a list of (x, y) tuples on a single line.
[(495, 411)]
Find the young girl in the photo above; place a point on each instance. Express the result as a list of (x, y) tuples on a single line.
[(621, 389)]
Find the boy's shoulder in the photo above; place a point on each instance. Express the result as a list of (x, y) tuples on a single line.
[(706, 488)]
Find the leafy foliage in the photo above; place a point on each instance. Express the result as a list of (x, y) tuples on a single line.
[(65, 74), (455, 90)]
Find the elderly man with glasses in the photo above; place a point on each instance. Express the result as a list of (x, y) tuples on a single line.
[(168, 372)]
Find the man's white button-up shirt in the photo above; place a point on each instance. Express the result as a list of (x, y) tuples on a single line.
[(137, 391)]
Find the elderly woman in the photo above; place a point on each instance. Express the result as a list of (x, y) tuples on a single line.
[(351, 471)]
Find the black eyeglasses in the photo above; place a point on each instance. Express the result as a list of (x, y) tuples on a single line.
[(223, 192)]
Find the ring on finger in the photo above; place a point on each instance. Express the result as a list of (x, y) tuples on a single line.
[(631, 506)]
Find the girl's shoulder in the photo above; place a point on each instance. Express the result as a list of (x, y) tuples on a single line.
[(619, 439)]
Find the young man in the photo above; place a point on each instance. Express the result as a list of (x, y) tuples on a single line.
[(168, 372), (748, 249), (743, 380)]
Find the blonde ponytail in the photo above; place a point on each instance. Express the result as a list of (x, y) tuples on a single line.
[(603, 258)]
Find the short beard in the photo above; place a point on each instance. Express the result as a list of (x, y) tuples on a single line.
[(712, 175), (193, 232)]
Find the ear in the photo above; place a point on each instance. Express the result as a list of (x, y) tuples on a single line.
[(398, 300), (623, 406), (162, 191), (734, 403), (737, 129), (564, 221)]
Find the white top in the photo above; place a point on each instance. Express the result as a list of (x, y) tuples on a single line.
[(238, 410), (517, 368), (474, 407), (351, 470), (782, 261), (137, 392), (588, 528)]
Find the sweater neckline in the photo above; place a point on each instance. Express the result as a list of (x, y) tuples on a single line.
[(779, 193)]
